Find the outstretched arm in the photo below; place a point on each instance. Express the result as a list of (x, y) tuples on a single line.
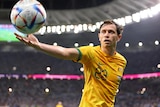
[(55, 51)]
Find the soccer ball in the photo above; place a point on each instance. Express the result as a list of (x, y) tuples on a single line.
[(28, 16)]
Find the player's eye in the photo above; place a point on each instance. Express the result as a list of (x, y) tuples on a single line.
[(111, 31), (103, 31)]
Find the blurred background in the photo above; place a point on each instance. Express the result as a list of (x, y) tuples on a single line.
[(30, 78)]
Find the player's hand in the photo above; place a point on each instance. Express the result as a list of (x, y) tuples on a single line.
[(30, 40)]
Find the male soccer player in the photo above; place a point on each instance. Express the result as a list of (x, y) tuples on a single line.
[(103, 65)]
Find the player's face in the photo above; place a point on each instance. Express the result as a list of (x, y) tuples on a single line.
[(108, 36)]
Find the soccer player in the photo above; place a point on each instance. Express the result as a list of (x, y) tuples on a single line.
[(103, 65)]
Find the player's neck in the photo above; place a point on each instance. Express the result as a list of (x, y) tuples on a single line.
[(109, 51)]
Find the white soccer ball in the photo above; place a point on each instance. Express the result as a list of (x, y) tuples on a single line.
[(28, 16)]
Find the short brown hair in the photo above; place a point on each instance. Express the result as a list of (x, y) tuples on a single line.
[(119, 28)]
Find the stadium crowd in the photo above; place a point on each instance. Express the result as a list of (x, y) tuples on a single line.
[(33, 93), (143, 62)]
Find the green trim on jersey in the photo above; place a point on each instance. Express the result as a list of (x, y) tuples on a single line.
[(80, 54)]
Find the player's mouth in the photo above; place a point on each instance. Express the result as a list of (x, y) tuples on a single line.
[(107, 41)]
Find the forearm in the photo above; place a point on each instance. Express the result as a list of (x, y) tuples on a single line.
[(58, 51), (55, 51)]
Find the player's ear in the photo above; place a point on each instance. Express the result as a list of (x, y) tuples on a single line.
[(119, 37)]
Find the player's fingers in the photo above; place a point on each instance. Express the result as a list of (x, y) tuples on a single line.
[(18, 36), (25, 39)]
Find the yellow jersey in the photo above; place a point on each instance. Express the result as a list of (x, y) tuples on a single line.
[(102, 74)]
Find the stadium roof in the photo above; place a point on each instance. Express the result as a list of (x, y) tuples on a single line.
[(62, 12)]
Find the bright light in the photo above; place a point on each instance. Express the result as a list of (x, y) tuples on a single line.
[(121, 21), (10, 89), (140, 44), (126, 44), (98, 24), (144, 14), (91, 44), (85, 27), (68, 29), (63, 28), (58, 29), (136, 17), (49, 29), (42, 30), (156, 42), (72, 26), (76, 29), (14, 68), (149, 13), (48, 68), (46, 90), (80, 27), (128, 19), (81, 69), (155, 9), (143, 90), (55, 44), (92, 28), (59, 32), (158, 66), (53, 29), (76, 44)]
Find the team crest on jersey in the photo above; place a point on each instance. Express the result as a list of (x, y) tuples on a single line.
[(120, 69)]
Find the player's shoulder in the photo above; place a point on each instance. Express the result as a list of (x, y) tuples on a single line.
[(120, 56), (90, 47)]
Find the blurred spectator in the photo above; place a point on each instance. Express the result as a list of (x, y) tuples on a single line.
[(59, 104)]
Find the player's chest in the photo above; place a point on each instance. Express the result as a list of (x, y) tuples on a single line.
[(107, 69)]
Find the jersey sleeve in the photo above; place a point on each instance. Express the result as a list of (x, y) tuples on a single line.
[(84, 54)]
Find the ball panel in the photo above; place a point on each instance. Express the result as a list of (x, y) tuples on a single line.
[(39, 18), (40, 9), (20, 21)]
